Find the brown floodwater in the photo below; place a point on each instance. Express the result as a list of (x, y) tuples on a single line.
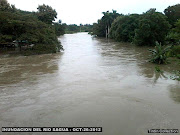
[(94, 83)]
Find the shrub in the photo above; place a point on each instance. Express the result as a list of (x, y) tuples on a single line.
[(159, 54)]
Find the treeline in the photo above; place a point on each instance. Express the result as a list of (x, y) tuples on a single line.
[(35, 28), (141, 29), (73, 28)]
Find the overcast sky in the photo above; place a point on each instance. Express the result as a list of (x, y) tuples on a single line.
[(88, 11)]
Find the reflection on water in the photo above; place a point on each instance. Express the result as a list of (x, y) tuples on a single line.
[(94, 82), (175, 92), (159, 75), (16, 69)]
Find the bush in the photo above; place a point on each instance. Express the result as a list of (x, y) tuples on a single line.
[(178, 56), (159, 54), (175, 50)]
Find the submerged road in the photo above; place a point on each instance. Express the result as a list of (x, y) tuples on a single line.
[(93, 83)]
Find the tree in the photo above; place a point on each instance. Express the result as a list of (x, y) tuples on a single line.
[(25, 26), (46, 14), (102, 28), (99, 29), (123, 28), (108, 18), (4, 5), (59, 28), (173, 13), (153, 27), (174, 34)]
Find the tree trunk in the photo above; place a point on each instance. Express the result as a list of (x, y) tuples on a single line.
[(106, 32)]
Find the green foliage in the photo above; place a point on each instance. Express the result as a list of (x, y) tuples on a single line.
[(104, 24), (152, 27), (173, 13), (176, 50), (177, 31), (177, 27), (99, 29), (5, 6), (6, 38), (178, 56), (59, 28), (26, 26), (159, 54), (174, 35), (73, 28), (86, 28), (123, 28), (18, 27), (46, 14), (109, 17)]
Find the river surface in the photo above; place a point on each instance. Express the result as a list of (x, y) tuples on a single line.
[(93, 83)]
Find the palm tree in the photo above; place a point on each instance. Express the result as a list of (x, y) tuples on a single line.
[(108, 18)]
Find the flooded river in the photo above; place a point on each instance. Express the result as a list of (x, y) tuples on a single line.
[(94, 82)]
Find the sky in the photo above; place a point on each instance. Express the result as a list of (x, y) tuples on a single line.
[(89, 11)]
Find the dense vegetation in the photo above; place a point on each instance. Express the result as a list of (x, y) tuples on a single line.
[(151, 28), (73, 28), (102, 28), (123, 28), (141, 29), (37, 28), (33, 27)]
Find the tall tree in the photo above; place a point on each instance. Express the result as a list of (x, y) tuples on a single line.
[(123, 28), (153, 26), (102, 28), (46, 14), (108, 18), (4, 5), (173, 14)]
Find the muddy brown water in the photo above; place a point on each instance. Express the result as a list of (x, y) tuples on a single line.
[(94, 82)]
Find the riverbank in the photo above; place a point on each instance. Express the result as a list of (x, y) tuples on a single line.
[(35, 50)]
